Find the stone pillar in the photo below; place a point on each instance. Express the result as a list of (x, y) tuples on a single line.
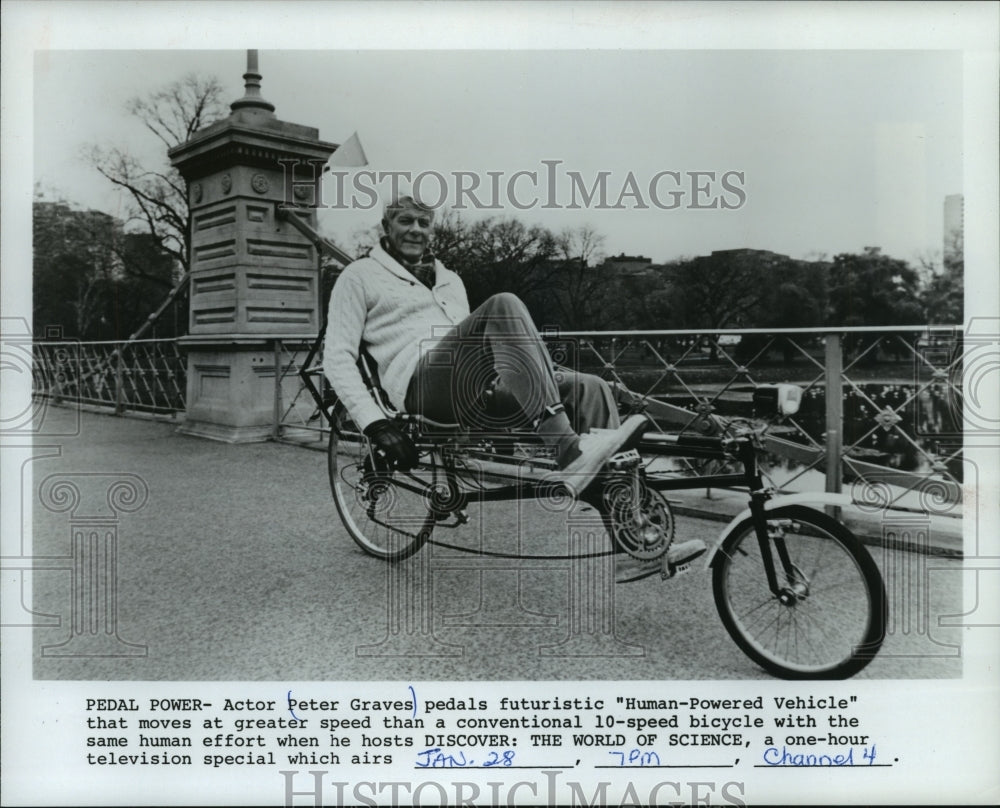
[(254, 278)]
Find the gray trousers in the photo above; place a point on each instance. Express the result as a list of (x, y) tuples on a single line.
[(492, 370)]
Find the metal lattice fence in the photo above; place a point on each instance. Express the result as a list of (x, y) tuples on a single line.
[(138, 376), (882, 407)]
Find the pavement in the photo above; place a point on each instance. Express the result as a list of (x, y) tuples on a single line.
[(231, 564)]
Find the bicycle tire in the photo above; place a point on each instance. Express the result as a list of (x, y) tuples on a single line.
[(835, 621), (382, 512)]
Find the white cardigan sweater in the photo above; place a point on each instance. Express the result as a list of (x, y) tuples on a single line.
[(378, 302)]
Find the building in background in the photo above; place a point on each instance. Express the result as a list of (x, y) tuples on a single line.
[(625, 263)]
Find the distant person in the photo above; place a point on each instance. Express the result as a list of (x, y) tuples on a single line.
[(435, 358)]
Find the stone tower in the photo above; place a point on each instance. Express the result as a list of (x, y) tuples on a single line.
[(254, 277)]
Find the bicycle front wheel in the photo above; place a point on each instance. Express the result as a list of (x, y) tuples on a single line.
[(388, 514), (827, 620)]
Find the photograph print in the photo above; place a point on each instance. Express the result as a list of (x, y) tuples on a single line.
[(594, 322), (566, 403)]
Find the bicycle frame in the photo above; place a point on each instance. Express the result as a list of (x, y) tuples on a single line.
[(761, 498), (718, 448), (667, 445), (764, 614)]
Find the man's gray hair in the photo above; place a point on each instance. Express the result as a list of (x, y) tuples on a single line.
[(403, 202)]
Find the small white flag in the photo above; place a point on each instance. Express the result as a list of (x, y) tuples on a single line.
[(350, 154)]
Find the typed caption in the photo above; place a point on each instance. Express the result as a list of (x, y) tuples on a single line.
[(405, 747)]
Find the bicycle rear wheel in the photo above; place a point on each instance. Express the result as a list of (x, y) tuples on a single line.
[(388, 514), (828, 620)]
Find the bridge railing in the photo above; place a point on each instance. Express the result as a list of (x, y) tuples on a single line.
[(882, 406), (132, 376), (881, 411)]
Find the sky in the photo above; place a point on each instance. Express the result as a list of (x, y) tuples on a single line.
[(835, 150)]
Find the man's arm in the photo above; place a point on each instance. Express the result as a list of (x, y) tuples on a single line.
[(344, 330)]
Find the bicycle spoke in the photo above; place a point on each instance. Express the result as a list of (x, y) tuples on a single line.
[(812, 631), (386, 513)]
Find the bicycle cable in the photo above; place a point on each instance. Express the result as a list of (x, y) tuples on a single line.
[(518, 556)]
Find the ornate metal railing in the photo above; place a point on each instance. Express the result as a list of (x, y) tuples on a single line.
[(882, 407), (296, 417), (137, 376)]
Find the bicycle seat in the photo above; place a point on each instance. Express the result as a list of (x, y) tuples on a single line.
[(368, 368), (501, 416)]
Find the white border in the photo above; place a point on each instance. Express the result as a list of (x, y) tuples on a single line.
[(954, 722)]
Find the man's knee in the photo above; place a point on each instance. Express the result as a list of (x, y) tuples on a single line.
[(505, 302), (504, 312), (592, 388)]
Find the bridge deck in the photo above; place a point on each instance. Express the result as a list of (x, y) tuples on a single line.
[(237, 568)]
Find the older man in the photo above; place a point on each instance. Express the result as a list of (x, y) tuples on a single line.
[(436, 358)]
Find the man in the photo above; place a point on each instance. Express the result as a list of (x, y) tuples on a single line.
[(437, 359)]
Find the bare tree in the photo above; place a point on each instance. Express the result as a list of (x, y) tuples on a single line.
[(157, 194), (495, 256), (943, 284), (582, 289), (177, 111), (582, 243)]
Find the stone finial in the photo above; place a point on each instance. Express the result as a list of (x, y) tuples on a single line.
[(251, 81)]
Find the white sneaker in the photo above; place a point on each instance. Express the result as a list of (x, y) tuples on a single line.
[(680, 555), (596, 448), (677, 560)]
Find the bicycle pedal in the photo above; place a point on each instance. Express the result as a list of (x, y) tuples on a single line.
[(675, 570), (624, 460)]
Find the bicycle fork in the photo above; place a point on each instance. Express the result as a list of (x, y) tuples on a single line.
[(759, 495)]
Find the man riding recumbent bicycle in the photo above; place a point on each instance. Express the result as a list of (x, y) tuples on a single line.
[(437, 409)]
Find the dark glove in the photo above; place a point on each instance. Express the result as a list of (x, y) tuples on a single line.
[(391, 445)]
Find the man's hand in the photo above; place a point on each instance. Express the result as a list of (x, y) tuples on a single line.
[(391, 446)]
